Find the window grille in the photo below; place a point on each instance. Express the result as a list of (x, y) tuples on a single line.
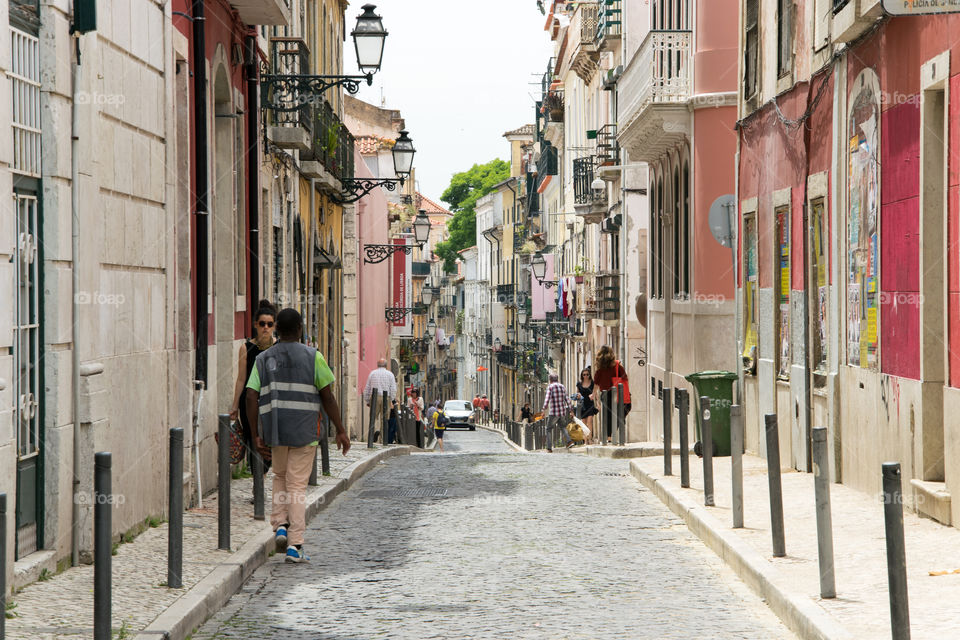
[(25, 85)]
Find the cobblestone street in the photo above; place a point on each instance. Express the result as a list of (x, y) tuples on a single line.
[(482, 542)]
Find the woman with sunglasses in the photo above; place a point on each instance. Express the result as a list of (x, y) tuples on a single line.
[(587, 408), (263, 321)]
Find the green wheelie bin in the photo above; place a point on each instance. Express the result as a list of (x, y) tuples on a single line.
[(718, 386)]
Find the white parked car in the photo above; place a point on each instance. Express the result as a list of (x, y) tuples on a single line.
[(459, 414)]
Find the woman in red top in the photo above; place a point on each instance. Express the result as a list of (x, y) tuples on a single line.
[(607, 372)]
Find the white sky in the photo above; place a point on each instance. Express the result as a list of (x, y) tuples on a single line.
[(460, 72)]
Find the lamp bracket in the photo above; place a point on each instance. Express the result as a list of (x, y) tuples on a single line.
[(356, 188), (286, 92), (377, 253), (396, 314)]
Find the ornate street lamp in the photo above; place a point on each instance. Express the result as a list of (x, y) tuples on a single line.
[(403, 153), (426, 295), (289, 92), (369, 37), (522, 314), (539, 266), (432, 328), (497, 345), (511, 333), (421, 228)]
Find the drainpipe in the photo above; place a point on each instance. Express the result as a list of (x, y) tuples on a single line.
[(201, 205), (253, 168), (74, 308)]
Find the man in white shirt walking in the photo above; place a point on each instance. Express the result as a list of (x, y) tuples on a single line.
[(380, 379)]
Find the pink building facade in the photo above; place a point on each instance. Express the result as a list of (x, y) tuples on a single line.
[(849, 281), (677, 110)]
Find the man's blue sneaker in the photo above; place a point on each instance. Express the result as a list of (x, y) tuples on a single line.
[(296, 555), (281, 539)]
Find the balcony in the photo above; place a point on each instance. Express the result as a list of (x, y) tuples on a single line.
[(288, 127), (507, 357), (656, 87), (548, 164), (257, 12), (506, 294), (608, 150), (591, 207), (608, 298), (420, 269), (609, 25), (583, 39), (331, 150)]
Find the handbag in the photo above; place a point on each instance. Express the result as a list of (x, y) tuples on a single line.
[(237, 447), (575, 432), (626, 385)]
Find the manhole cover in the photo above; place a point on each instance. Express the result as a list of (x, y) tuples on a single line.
[(418, 492)]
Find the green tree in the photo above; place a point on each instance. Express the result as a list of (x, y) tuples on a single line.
[(465, 189)]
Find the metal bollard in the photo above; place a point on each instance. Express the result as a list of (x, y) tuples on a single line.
[(682, 400), (736, 464), (374, 399), (258, 491), (667, 432), (102, 545), (325, 446), (606, 415), (223, 484), (3, 565), (896, 552), (621, 440), (821, 488), (385, 420), (707, 440), (312, 480), (175, 505), (773, 479)]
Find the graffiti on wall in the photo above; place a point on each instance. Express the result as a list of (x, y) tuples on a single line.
[(863, 190)]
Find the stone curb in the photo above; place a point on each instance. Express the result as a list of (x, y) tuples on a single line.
[(641, 450), (503, 435), (798, 612), (209, 595)]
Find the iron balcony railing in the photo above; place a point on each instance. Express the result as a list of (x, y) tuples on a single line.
[(608, 151), (609, 22), (507, 357), (589, 17), (549, 162), (290, 57), (420, 269), (506, 294), (660, 73), (332, 143), (488, 338), (608, 296), (582, 179)]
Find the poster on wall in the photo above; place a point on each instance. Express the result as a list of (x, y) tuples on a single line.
[(863, 240)]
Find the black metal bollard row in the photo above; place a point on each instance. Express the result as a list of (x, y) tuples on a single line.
[(821, 488), (736, 464)]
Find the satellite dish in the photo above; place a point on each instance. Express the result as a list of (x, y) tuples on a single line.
[(721, 212)]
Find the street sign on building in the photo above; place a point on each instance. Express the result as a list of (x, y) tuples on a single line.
[(920, 7)]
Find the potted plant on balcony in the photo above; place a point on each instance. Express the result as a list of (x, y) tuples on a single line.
[(553, 104)]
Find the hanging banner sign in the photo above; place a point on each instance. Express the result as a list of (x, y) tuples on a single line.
[(920, 7)]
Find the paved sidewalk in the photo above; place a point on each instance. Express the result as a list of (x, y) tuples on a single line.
[(791, 584), (61, 608)]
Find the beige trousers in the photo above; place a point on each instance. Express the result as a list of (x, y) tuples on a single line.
[(291, 471)]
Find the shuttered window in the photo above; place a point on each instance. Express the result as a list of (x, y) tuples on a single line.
[(784, 37), (751, 46)]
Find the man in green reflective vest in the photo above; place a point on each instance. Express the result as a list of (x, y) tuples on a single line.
[(288, 384)]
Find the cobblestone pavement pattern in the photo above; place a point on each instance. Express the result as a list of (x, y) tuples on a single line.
[(481, 542), (61, 608)]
